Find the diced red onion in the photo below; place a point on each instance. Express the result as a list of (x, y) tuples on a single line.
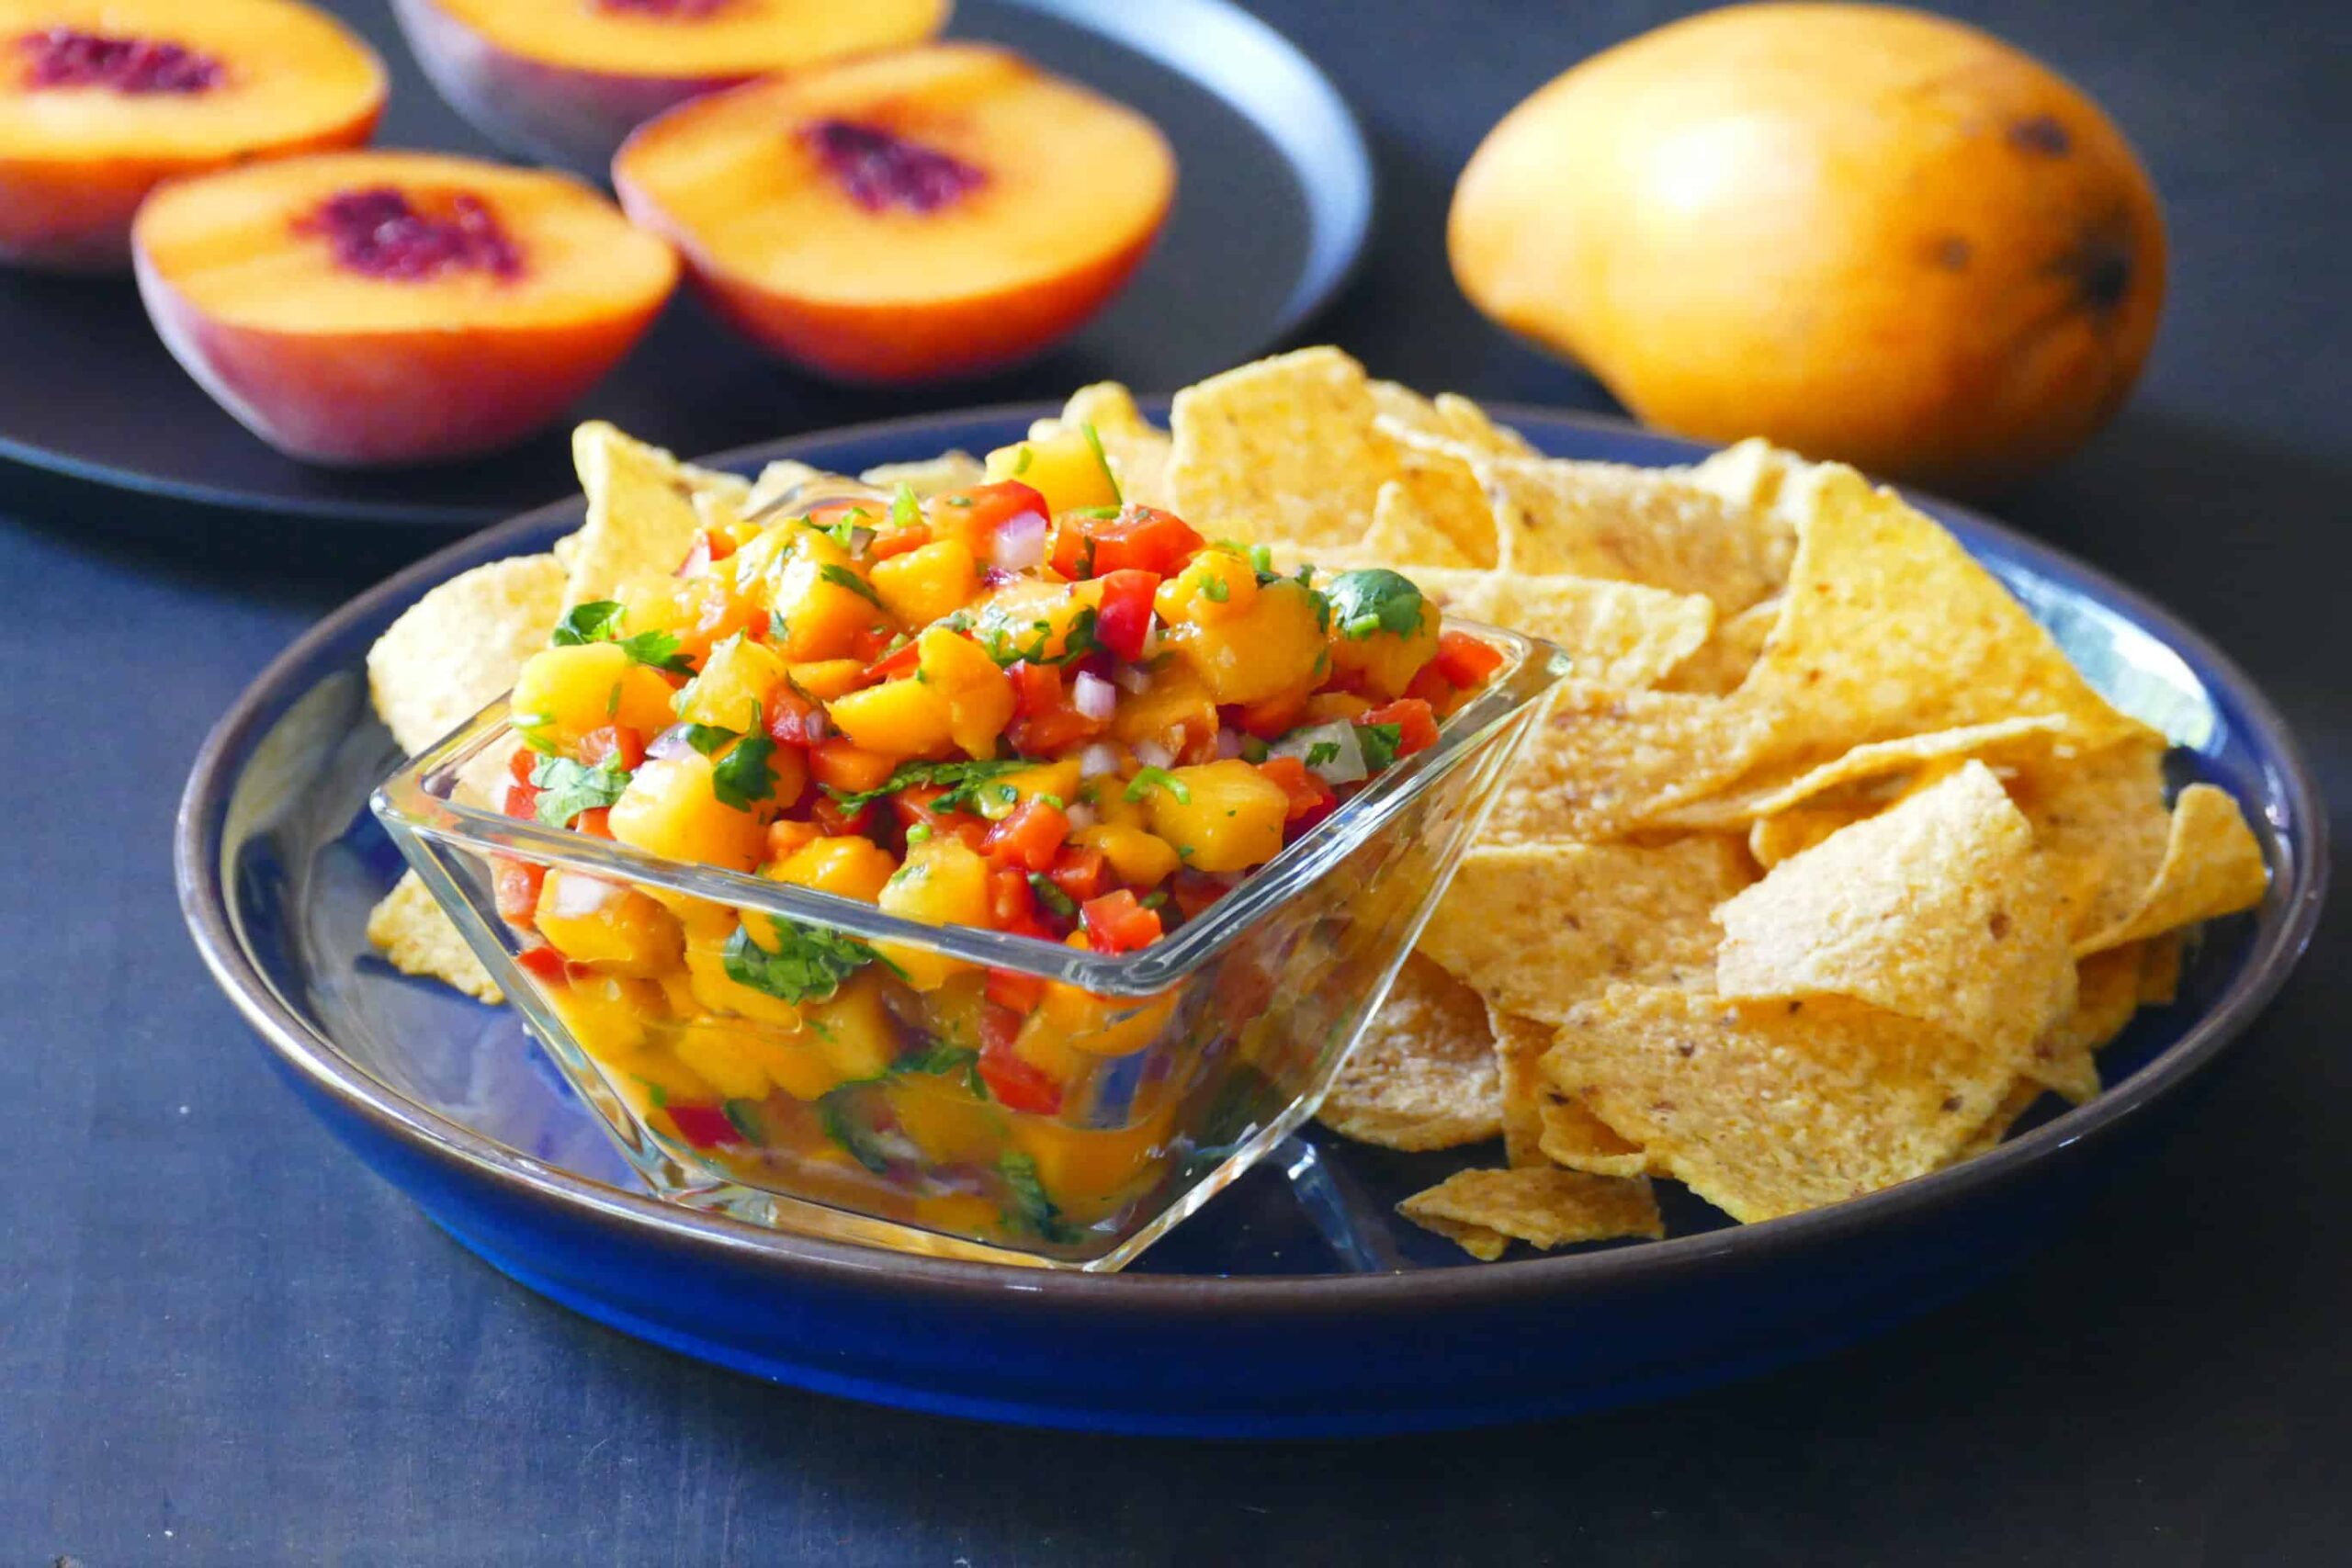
[(1152, 754), (814, 726), (1081, 817), (1228, 744), (577, 895), (1098, 759), (1094, 697), (1019, 542), (671, 742), (1133, 677), (1343, 764)]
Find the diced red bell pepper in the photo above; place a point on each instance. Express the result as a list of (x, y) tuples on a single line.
[(1194, 891), (1416, 723), (828, 815), (614, 740), (1030, 838), (520, 800), (787, 717), (902, 661), (709, 546), (1465, 661), (1270, 719), (703, 1126), (990, 505), (913, 807), (1014, 991), (1013, 903), (1116, 923), (596, 822), (1430, 684), (544, 963), (1308, 793), (1123, 621), (872, 643), (899, 541), (1017, 1083), (1141, 538), (517, 885), (1080, 874)]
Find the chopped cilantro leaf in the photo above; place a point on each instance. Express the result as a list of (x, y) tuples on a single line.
[(1102, 461), (742, 775), (942, 1060), (779, 629), (958, 778), (1028, 1208), (1094, 514), (1379, 742), (810, 962), (708, 737), (1262, 559), (1149, 779), (568, 788), (599, 620), (842, 577), (1322, 752), (746, 1115), (906, 511), (1375, 600), (846, 1128), (1051, 895)]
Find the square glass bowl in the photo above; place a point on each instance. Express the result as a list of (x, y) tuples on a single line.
[(861, 1116)]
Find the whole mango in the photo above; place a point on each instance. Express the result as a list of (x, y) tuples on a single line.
[(1867, 233)]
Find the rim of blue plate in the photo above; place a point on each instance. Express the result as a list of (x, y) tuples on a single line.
[(2279, 942)]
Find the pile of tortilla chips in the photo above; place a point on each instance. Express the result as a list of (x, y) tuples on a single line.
[(1822, 867)]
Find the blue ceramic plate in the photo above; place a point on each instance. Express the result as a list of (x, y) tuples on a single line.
[(1274, 197), (1295, 1302)]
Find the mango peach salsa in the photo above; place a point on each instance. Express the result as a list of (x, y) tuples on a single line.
[(1022, 706)]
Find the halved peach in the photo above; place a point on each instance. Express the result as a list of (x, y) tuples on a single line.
[(566, 80), (101, 100), (371, 307), (936, 211)]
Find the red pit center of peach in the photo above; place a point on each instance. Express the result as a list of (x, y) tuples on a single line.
[(681, 10), (380, 234), (64, 57), (879, 170)]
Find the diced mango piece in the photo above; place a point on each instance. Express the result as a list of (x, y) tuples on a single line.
[(720, 992), (943, 883), (1030, 619), (943, 1120), (671, 809), (980, 695), (1222, 816), (905, 718), (736, 689), (722, 1055), (853, 1026), (609, 1017), (851, 866), (925, 584), (606, 924), (1325, 707), (816, 592), (1271, 649), (1102, 1026), (1173, 711), (1137, 858), (1090, 1172), (825, 679), (1383, 662), (1004, 794), (1062, 467), (1214, 586), (561, 694)]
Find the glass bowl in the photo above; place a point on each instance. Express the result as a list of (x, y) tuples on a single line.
[(1181, 1062)]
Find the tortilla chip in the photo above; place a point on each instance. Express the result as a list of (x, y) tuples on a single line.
[(1765, 1109), (1403, 539), (1647, 526), (460, 646), (929, 476), (417, 938), (2107, 993), (1574, 1137), (1599, 764), (1518, 1044), (2016, 1103), (1893, 630), (1724, 660), (1137, 449), (779, 479), (2160, 958), (1483, 1210), (1536, 929), (640, 512), (2101, 823), (1424, 1075), (1280, 449), (1937, 909), (2000, 742), (2213, 866), (1448, 418), (1748, 475), (1771, 839), (1623, 637)]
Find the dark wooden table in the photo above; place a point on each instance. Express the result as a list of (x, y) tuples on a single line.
[(221, 1341)]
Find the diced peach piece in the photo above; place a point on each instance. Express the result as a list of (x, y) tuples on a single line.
[(567, 80), (102, 100), (520, 289), (933, 212)]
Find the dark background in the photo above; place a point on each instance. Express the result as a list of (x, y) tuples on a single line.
[(221, 1341)]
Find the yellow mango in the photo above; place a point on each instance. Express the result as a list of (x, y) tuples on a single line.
[(736, 688), (720, 1053), (1384, 662), (1089, 1172), (943, 1119), (1214, 586), (825, 679), (980, 695), (1222, 816), (851, 866), (1028, 617), (1102, 1026), (1062, 467), (1174, 709), (943, 883), (609, 1016), (1269, 650), (925, 584), (905, 718), (957, 1213), (562, 694), (604, 924), (671, 809), (853, 1026), (659, 1075), (1137, 858), (814, 588), (997, 799), (1325, 707)]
